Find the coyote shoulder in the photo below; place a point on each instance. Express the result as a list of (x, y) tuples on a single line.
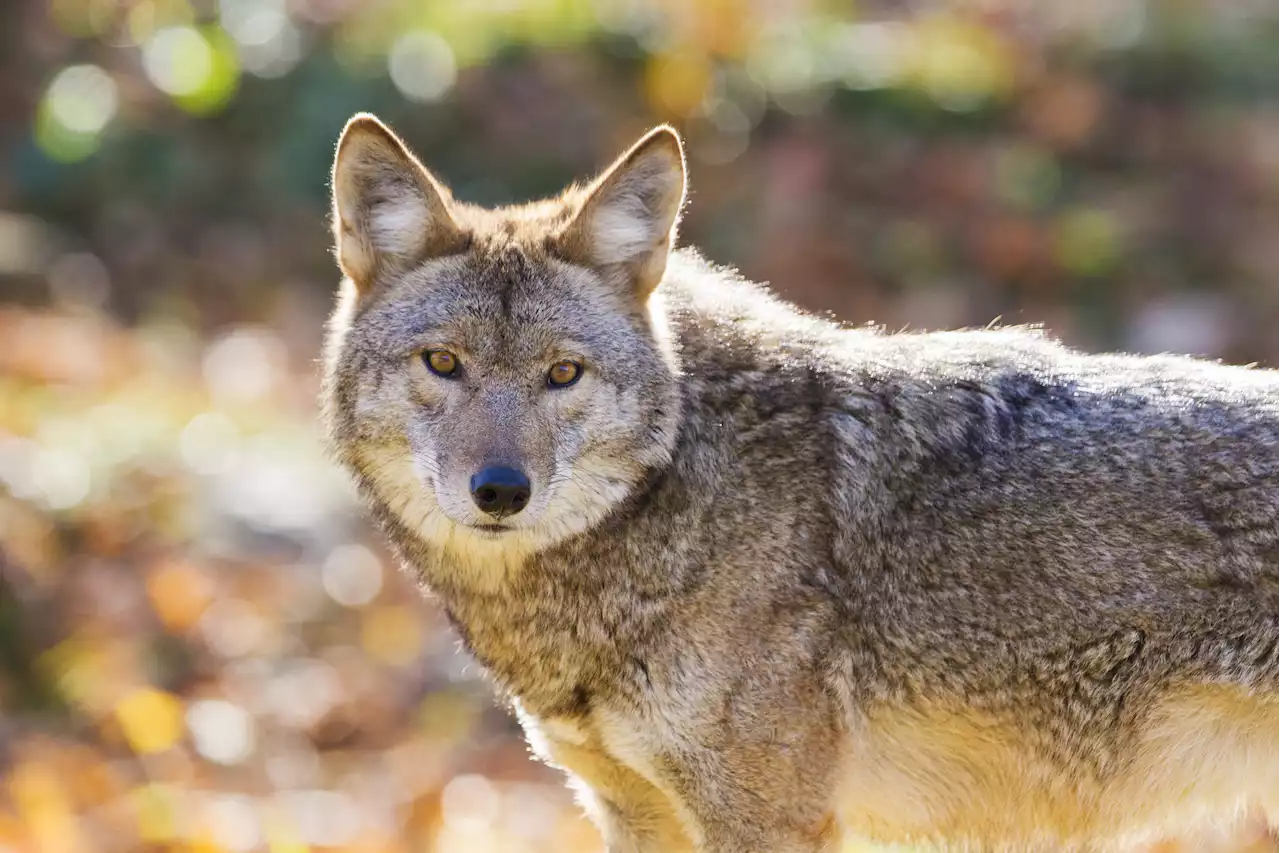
[(755, 580)]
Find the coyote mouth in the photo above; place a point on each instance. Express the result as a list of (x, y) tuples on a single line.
[(492, 529)]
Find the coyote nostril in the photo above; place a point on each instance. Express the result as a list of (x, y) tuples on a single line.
[(500, 491)]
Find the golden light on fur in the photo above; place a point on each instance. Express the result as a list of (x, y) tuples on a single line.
[(777, 579)]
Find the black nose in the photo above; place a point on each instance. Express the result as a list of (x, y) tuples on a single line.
[(500, 491)]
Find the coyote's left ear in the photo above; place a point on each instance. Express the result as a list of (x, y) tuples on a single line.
[(627, 222)]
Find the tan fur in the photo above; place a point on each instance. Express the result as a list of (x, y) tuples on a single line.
[(935, 773), (1206, 751), (778, 580), (616, 796)]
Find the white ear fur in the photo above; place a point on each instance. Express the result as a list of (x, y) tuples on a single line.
[(389, 212), (396, 220), (627, 223)]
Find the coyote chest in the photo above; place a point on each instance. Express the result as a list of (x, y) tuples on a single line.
[(558, 654)]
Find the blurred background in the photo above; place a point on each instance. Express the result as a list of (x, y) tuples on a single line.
[(203, 647)]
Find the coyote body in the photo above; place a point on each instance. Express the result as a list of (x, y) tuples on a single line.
[(772, 580)]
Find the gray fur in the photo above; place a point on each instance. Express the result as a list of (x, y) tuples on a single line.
[(809, 529)]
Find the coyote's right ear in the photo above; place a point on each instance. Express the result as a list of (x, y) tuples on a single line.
[(389, 213)]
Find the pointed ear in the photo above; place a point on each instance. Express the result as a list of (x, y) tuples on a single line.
[(626, 225), (389, 213)]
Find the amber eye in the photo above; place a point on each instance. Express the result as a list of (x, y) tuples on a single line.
[(441, 362), (564, 373)]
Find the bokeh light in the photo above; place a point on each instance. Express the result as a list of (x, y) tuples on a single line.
[(352, 575), (421, 65), (198, 68), (222, 732), (209, 442), (59, 478), (150, 719), (267, 41), (77, 107), (179, 60), (82, 99)]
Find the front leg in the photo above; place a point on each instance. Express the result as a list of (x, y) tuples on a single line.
[(632, 814), (758, 782)]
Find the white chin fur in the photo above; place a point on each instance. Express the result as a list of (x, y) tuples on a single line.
[(482, 559)]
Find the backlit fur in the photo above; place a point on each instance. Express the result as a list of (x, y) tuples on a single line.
[(779, 580)]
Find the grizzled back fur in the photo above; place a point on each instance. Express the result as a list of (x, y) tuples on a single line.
[(776, 576)]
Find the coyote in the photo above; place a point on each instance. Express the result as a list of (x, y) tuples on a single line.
[(755, 580)]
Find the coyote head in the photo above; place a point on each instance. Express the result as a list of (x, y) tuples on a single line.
[(499, 380)]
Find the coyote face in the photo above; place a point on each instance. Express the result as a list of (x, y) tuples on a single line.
[(503, 373)]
